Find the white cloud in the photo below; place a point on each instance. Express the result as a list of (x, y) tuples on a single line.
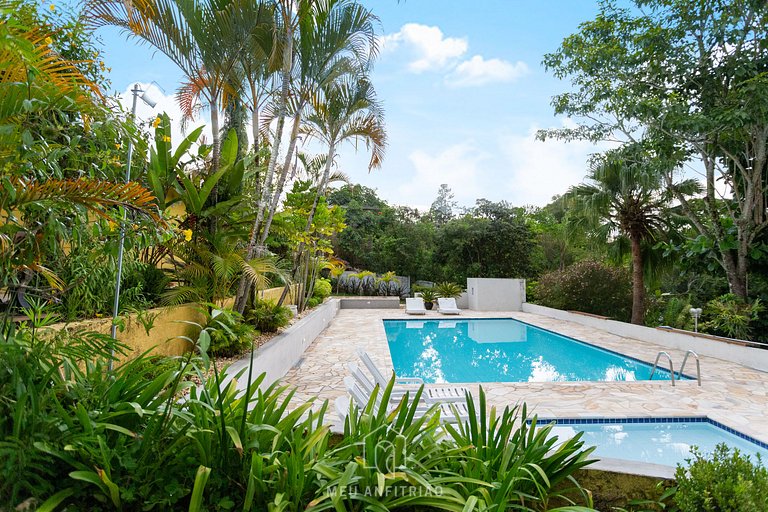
[(432, 50), (460, 166), (479, 71), (539, 170)]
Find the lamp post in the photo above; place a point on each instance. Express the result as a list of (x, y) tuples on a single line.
[(695, 313), (116, 305)]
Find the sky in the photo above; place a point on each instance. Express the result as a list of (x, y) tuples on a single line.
[(464, 92)]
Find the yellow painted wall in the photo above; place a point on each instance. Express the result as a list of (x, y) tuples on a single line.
[(171, 326)]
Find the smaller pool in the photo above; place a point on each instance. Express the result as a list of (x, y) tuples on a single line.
[(666, 441)]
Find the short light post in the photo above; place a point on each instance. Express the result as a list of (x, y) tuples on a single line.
[(695, 313), (137, 90)]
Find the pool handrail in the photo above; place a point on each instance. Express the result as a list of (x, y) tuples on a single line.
[(671, 366), (698, 365)]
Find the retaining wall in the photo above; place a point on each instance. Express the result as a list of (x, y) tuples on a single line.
[(171, 325), (751, 357), (285, 350)]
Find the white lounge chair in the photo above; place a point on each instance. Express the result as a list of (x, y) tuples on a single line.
[(431, 394), (415, 306), (447, 306), (449, 412)]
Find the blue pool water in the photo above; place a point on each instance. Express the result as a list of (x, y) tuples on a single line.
[(502, 350), (657, 440)]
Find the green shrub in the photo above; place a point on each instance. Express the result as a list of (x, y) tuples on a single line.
[(669, 311), (267, 316), (313, 302), (229, 334), (448, 290), (590, 287), (725, 482), (322, 289), (730, 316)]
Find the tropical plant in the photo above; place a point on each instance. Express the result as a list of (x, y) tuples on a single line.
[(626, 195), (206, 270), (268, 316), (322, 289), (430, 296), (230, 335), (448, 290), (702, 104), (329, 40), (729, 316), (204, 39)]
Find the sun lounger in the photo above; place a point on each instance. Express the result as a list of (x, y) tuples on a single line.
[(415, 306), (431, 394), (447, 306), (449, 412)]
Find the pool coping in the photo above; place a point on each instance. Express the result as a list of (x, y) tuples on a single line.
[(569, 338)]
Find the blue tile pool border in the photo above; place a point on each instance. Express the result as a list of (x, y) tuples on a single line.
[(657, 419), (678, 375)]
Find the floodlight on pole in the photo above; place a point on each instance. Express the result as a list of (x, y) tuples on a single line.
[(695, 313), (146, 98)]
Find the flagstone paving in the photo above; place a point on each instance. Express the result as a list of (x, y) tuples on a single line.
[(730, 393)]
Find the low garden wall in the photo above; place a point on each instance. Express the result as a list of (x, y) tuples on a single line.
[(370, 303), (170, 326), (285, 350), (704, 345)]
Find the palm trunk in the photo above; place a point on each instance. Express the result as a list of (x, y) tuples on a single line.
[(253, 249), (215, 136), (283, 177), (323, 184), (638, 284)]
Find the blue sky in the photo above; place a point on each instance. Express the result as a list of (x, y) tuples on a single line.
[(463, 90)]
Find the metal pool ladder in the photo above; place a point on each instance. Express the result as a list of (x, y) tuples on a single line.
[(698, 365), (671, 367)]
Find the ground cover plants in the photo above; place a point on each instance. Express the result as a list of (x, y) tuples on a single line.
[(77, 436)]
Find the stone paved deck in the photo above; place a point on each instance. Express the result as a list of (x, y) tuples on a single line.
[(730, 393)]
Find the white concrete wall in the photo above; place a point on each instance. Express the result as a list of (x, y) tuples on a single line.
[(486, 294), (462, 301), (282, 352), (756, 358)]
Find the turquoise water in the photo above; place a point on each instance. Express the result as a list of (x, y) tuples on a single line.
[(502, 350), (658, 442)]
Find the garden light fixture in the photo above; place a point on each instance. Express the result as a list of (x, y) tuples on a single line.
[(146, 98), (695, 313)]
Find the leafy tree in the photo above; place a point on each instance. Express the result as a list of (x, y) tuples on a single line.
[(491, 240), (691, 76)]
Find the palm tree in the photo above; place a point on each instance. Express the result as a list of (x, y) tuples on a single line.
[(626, 194), (325, 39), (347, 110), (204, 39)]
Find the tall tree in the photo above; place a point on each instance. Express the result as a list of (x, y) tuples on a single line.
[(693, 76), (443, 207), (625, 194), (204, 39), (321, 42)]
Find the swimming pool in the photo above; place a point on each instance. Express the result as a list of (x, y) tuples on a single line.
[(502, 350), (666, 441)]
